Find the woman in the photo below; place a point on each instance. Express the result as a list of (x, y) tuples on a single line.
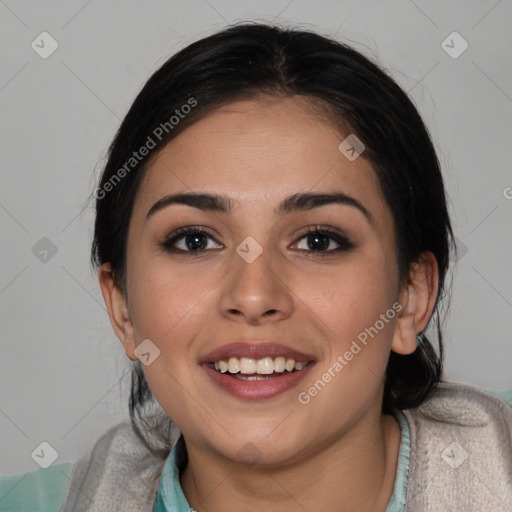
[(272, 240)]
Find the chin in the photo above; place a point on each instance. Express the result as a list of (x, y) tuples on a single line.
[(263, 451)]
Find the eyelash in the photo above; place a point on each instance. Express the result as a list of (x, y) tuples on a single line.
[(344, 243)]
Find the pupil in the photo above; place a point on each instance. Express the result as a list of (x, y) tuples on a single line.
[(190, 245), (317, 245)]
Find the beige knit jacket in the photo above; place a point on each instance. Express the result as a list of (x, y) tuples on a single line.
[(460, 460)]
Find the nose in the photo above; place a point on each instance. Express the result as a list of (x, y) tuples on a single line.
[(256, 293)]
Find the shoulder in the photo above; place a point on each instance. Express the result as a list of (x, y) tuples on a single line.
[(460, 447), (42, 489), (465, 406), (465, 399), (45, 490), (505, 395), (98, 480)]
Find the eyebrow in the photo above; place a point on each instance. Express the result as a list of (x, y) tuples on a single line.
[(295, 202)]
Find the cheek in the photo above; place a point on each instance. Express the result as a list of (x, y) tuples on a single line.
[(170, 308), (355, 312), (166, 303), (350, 298), (347, 308)]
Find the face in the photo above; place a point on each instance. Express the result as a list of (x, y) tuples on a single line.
[(313, 279)]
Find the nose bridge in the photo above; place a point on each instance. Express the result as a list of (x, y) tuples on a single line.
[(252, 266), (253, 261), (255, 288)]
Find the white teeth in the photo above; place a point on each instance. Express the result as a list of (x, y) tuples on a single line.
[(223, 366), (247, 365), (233, 365), (279, 363), (252, 377), (289, 365), (263, 366)]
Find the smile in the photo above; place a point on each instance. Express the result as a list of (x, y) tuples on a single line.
[(250, 384), (263, 366)]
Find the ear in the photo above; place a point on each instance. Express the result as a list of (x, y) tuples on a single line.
[(417, 298), (117, 309)]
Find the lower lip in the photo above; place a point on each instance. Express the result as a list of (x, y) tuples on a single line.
[(256, 389)]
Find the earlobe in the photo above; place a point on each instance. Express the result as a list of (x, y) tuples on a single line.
[(418, 300), (404, 337), (117, 309)]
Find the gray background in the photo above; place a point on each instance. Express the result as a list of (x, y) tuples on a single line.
[(63, 374)]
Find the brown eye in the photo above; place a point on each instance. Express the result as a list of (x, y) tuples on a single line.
[(319, 239), (194, 240)]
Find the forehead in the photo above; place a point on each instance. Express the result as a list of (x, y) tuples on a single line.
[(259, 150)]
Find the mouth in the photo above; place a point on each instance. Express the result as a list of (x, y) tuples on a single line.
[(256, 351), (256, 371), (246, 368)]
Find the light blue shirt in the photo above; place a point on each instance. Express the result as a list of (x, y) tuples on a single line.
[(170, 497)]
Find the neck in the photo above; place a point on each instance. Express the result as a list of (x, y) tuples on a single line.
[(353, 472)]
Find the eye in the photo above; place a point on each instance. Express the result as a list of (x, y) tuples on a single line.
[(319, 239), (195, 239), (192, 239)]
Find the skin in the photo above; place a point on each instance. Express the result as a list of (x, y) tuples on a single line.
[(338, 452)]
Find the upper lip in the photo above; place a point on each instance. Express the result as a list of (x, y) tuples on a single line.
[(255, 351)]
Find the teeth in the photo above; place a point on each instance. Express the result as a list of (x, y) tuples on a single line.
[(247, 365), (279, 363), (233, 365), (264, 366), (252, 377)]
